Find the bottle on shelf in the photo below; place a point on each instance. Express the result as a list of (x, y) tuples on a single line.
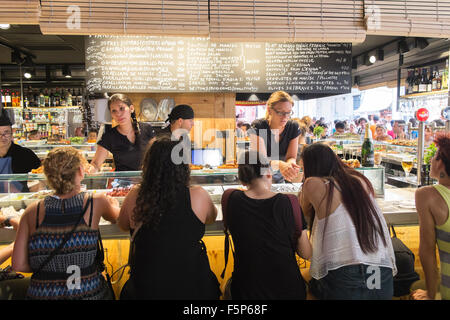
[(445, 76), (423, 81), (429, 80), (439, 81), (41, 99), (8, 99), (416, 81), (409, 81), (46, 98), (69, 98), (434, 80), (367, 149)]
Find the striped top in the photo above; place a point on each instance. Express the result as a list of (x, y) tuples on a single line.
[(443, 242), (56, 279)]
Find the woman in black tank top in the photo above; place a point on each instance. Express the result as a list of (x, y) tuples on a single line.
[(168, 257), (266, 235)]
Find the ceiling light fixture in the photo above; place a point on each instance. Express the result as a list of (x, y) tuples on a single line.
[(5, 26), (372, 59)]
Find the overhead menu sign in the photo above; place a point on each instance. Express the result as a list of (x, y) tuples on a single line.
[(176, 64)]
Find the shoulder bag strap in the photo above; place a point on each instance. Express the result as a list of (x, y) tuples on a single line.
[(296, 210), (224, 203), (66, 238)]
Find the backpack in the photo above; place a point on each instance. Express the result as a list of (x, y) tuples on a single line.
[(404, 260)]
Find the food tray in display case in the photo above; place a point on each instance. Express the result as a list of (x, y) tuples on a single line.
[(16, 200), (215, 192)]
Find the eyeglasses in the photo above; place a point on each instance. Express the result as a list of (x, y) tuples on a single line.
[(6, 135), (283, 114)]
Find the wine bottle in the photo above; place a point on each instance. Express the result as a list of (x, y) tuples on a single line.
[(367, 150), (434, 81), (416, 81), (430, 80), (423, 81)]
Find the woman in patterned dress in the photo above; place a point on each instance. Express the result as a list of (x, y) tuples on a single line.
[(72, 273)]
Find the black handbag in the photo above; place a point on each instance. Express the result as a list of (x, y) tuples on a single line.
[(404, 260)]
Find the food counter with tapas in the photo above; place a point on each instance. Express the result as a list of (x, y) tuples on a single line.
[(397, 204)]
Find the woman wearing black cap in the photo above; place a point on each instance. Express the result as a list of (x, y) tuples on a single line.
[(127, 141)]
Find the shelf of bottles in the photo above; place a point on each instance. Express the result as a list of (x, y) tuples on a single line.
[(426, 87), (42, 98), (43, 110)]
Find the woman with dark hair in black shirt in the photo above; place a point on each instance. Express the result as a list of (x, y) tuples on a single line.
[(276, 136), (266, 232), (127, 141)]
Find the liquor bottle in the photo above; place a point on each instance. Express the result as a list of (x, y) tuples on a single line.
[(41, 99), (445, 76), (69, 98), (46, 98), (409, 81), (13, 99), (63, 97), (367, 150), (416, 81), (439, 80), (423, 81), (8, 99), (430, 80), (434, 81)]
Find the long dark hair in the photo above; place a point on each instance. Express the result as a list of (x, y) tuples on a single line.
[(320, 161), (162, 182), (125, 99)]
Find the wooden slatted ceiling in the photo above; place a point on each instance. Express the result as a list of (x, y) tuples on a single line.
[(19, 11), (417, 18), (121, 17), (288, 20)]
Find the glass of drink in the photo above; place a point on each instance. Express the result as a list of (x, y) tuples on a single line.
[(407, 164), (377, 158)]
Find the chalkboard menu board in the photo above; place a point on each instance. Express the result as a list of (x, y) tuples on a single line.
[(176, 64)]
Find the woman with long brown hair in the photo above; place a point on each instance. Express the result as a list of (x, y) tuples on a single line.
[(127, 141), (352, 255), (167, 218)]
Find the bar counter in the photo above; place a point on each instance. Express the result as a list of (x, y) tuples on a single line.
[(397, 205)]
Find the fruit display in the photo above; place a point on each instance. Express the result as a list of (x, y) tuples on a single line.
[(120, 191)]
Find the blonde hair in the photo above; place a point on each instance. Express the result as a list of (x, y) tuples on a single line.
[(307, 121), (60, 167), (276, 97)]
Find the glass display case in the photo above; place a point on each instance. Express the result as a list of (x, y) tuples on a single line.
[(41, 148)]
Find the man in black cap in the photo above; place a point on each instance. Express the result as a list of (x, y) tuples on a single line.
[(181, 121), (14, 158)]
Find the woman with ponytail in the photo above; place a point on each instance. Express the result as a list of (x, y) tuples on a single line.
[(127, 141), (352, 255), (267, 229)]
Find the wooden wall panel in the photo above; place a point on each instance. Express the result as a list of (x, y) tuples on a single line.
[(213, 110)]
